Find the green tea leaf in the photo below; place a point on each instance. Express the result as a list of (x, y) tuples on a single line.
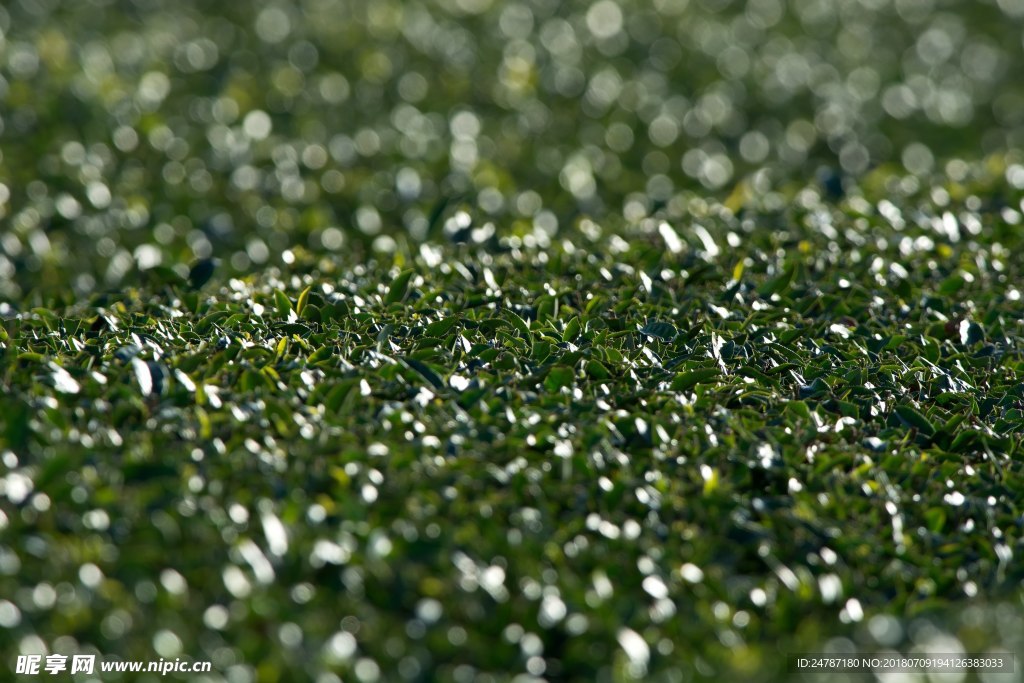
[(684, 381), (282, 303), (440, 328), (913, 418), (399, 287), (521, 326), (572, 330), (300, 305), (664, 331)]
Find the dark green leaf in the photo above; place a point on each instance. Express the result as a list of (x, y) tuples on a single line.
[(399, 287)]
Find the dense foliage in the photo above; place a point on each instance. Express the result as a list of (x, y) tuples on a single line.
[(474, 340)]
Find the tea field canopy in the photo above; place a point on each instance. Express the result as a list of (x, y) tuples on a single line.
[(603, 459), (485, 341)]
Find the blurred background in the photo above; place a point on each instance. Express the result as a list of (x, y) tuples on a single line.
[(140, 135)]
